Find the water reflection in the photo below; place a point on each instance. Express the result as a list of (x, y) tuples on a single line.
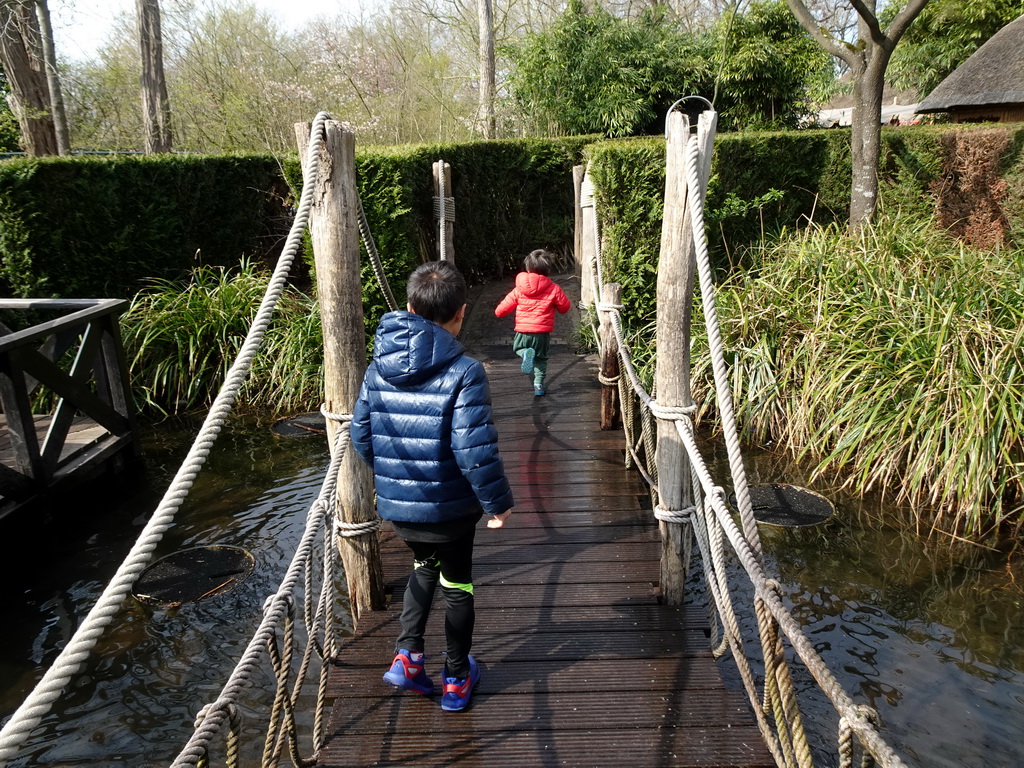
[(930, 632), (136, 700)]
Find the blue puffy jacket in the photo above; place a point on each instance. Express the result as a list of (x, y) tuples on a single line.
[(423, 422)]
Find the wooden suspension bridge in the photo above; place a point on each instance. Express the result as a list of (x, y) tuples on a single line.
[(581, 664)]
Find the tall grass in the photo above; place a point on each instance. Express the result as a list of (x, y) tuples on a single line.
[(893, 358), (181, 339)]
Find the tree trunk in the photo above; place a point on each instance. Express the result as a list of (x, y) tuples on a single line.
[(865, 142), (156, 110), (60, 120), (486, 68), (20, 54), (867, 60)]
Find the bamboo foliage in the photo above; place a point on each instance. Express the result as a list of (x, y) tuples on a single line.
[(892, 360)]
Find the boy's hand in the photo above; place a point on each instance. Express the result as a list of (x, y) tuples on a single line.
[(497, 521)]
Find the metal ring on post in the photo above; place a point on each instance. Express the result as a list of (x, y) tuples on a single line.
[(680, 101)]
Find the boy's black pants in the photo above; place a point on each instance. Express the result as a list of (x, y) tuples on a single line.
[(449, 563)]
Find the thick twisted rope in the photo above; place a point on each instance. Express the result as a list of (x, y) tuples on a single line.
[(350, 530), (855, 716), (49, 688), (378, 265), (276, 611), (723, 393), (713, 525)]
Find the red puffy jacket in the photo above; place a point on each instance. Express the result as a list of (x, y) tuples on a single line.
[(534, 299)]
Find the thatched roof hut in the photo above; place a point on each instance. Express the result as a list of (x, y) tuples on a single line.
[(989, 86)]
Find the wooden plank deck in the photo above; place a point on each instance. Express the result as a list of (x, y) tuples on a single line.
[(88, 450), (580, 664)]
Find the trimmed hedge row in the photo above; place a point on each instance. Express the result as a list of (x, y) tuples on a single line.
[(510, 197), (90, 227), (763, 183), (100, 227)]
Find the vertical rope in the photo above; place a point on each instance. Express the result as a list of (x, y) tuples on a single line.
[(442, 216)]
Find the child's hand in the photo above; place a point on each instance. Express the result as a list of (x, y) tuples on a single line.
[(497, 521)]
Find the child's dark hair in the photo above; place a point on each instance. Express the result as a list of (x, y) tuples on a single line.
[(539, 262), (436, 291)]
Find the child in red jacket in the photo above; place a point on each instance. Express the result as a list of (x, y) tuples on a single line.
[(534, 299)]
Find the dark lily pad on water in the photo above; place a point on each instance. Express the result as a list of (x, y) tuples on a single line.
[(787, 505), (303, 425), (190, 575)]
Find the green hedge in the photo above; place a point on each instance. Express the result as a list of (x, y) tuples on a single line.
[(510, 197), (764, 183), (76, 227), (100, 227)]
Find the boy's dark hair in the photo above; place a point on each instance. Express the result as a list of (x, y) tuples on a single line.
[(436, 291), (539, 262)]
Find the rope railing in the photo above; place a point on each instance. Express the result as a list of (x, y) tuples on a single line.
[(40, 700), (717, 533)]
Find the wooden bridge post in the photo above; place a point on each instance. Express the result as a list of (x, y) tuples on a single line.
[(609, 360), (676, 270), (334, 230), (577, 233), (444, 209), (588, 241)]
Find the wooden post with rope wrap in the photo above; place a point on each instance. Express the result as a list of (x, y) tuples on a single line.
[(334, 231), (444, 211), (676, 271), (588, 242), (610, 412), (577, 234)]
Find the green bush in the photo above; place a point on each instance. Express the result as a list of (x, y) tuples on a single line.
[(100, 227), (182, 336), (510, 197), (891, 359), (763, 184)]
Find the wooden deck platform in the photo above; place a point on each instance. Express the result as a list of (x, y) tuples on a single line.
[(88, 449), (580, 664)]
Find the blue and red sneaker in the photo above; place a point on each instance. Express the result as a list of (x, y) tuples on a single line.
[(407, 672), (457, 690)]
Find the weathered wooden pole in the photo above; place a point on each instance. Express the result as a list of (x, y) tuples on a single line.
[(444, 211), (588, 241), (610, 412), (334, 230), (577, 234), (676, 270)]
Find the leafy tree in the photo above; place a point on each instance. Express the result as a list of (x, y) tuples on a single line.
[(593, 72), (772, 73), (8, 123), (868, 58), (945, 34), (21, 55)]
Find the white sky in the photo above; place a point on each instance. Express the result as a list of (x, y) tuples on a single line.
[(79, 26)]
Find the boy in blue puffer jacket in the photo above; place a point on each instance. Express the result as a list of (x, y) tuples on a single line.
[(423, 422)]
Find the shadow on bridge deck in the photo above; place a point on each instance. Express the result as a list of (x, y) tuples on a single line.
[(580, 664)]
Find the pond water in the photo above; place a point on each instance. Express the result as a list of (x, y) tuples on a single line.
[(929, 632)]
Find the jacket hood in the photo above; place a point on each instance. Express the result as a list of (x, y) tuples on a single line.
[(409, 349), (533, 285)]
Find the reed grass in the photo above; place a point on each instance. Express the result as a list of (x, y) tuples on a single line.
[(892, 359), (181, 338)]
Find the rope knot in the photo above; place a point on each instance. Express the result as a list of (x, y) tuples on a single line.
[(351, 530), (606, 306), (684, 515), (342, 418), (608, 381), (671, 412)]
